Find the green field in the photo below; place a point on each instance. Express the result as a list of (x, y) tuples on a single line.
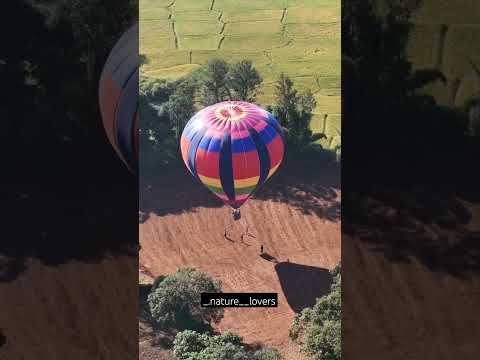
[(298, 37)]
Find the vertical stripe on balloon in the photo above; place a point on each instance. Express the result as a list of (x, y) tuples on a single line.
[(192, 150), (125, 114), (262, 155), (226, 171)]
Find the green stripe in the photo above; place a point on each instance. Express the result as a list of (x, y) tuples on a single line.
[(238, 191), (245, 190), (215, 189)]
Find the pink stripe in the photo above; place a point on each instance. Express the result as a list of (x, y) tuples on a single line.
[(260, 126), (241, 197), (223, 197), (240, 134)]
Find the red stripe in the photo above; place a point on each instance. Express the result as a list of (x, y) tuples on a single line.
[(207, 163), (245, 165), (275, 150), (184, 144)]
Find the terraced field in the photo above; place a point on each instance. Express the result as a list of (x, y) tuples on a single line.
[(444, 38), (298, 37)]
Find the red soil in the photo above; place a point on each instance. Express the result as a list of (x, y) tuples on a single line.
[(74, 311), (295, 221)]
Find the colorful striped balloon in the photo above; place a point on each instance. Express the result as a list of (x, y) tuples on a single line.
[(118, 95), (233, 147)]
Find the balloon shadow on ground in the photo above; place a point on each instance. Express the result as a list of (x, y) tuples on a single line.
[(302, 284), (176, 191)]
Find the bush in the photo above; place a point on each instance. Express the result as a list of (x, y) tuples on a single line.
[(191, 345), (267, 354), (175, 301)]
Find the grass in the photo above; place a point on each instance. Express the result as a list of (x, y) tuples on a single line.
[(461, 45), (243, 5), (190, 27), (199, 42), (449, 12), (253, 28), (423, 47), (449, 50), (298, 37), (252, 15)]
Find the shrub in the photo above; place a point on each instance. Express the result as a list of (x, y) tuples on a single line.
[(175, 302), (318, 329), (191, 345)]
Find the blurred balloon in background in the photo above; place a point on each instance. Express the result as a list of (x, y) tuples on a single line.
[(118, 95)]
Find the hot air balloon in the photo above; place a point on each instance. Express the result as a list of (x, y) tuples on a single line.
[(233, 148), (118, 95)]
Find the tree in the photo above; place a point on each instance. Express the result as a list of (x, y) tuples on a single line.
[(244, 81), (214, 82), (324, 342), (181, 105), (318, 329), (267, 354), (380, 97), (295, 111), (191, 345), (157, 146), (175, 302)]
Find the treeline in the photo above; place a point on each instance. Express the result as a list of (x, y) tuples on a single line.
[(172, 305), (390, 121), (166, 107)]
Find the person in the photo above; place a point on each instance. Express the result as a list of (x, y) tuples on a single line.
[(261, 249), (236, 214)]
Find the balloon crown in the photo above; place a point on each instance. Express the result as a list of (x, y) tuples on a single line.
[(231, 111)]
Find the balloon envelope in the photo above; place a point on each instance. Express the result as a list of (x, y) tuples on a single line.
[(118, 95), (233, 147)]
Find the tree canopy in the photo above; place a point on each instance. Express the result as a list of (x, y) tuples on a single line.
[(318, 329), (191, 345), (175, 301)]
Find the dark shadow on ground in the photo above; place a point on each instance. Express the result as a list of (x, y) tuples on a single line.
[(87, 212), (308, 186), (269, 257), (302, 284), (426, 223), (3, 339)]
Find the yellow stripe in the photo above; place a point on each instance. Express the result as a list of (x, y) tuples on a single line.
[(246, 182), (210, 181), (274, 169)]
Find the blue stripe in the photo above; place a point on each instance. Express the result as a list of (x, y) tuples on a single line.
[(268, 134), (243, 145), (192, 150), (262, 155), (211, 144), (190, 129), (226, 169), (125, 117), (126, 45), (273, 122)]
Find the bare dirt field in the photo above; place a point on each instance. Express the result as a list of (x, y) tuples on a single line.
[(73, 311), (414, 286), (297, 222)]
